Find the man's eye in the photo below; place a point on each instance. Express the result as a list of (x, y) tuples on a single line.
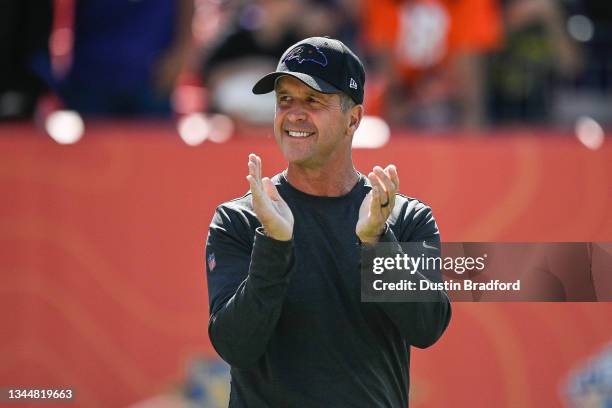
[(284, 99), (313, 101)]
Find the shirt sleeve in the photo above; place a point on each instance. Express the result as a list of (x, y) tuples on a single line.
[(247, 276), (421, 323)]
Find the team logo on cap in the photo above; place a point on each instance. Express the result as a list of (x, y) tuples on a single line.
[(306, 52)]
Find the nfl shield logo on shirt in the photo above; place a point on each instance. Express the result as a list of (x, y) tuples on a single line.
[(211, 262)]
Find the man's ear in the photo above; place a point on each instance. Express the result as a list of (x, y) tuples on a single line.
[(356, 113)]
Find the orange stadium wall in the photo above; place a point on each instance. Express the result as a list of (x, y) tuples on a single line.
[(102, 287)]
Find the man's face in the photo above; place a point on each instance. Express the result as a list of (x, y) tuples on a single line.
[(309, 126)]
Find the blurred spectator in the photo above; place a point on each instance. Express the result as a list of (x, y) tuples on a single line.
[(592, 26), (426, 57), (258, 36), (589, 23), (126, 58), (538, 53), (334, 18), (24, 29)]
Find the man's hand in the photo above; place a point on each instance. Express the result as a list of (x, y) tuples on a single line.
[(271, 210), (378, 204)]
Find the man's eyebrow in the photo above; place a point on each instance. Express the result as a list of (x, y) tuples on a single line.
[(310, 93), (318, 95), (315, 94)]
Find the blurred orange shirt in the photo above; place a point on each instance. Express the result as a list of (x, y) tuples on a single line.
[(423, 34)]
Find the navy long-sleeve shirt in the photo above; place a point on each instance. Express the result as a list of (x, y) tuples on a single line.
[(287, 315)]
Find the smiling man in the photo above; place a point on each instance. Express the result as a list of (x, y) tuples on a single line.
[(283, 261)]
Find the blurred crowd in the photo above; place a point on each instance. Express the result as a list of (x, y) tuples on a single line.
[(430, 64)]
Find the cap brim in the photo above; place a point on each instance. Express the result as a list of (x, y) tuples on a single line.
[(267, 83)]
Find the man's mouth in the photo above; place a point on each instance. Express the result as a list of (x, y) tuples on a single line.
[(298, 133)]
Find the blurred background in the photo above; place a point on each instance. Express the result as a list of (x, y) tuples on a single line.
[(124, 123)]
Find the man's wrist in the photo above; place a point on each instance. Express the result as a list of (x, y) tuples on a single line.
[(265, 233), (374, 238)]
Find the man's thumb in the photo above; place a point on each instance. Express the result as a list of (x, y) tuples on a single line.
[(270, 189)]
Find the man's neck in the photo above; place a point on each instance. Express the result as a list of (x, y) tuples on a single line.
[(322, 182)]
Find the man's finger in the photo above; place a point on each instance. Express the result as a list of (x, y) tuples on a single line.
[(391, 170), (253, 178), (251, 164), (385, 181), (259, 170), (373, 180), (255, 191), (255, 165), (383, 195), (255, 171), (252, 170), (377, 191)]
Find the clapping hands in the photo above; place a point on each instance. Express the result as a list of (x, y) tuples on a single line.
[(378, 204), (271, 210)]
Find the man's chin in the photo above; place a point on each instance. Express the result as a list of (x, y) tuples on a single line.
[(300, 160), (297, 161), (296, 156)]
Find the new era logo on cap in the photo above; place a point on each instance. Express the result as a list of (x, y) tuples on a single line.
[(322, 63)]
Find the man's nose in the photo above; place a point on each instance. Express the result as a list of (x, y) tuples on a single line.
[(296, 114)]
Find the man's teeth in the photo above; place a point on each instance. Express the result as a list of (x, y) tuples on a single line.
[(298, 134)]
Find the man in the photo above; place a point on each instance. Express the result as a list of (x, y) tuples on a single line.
[(126, 58), (283, 261)]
